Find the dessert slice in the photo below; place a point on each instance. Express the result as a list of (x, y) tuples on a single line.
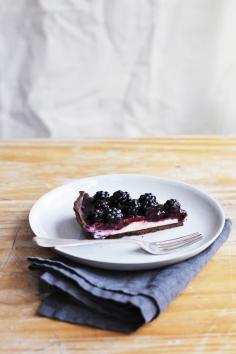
[(105, 216)]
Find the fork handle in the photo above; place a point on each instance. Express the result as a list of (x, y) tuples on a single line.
[(48, 242)]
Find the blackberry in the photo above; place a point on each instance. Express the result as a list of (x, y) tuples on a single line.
[(113, 215), (100, 195), (147, 200), (132, 208), (152, 212), (119, 199), (171, 205), (102, 204), (95, 216), (183, 214)]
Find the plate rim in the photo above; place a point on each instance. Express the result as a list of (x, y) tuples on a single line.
[(140, 265)]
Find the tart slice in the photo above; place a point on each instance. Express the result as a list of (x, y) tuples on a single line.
[(104, 216)]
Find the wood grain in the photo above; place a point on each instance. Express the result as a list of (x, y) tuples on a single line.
[(201, 320)]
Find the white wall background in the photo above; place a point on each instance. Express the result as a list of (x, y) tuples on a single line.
[(78, 68)]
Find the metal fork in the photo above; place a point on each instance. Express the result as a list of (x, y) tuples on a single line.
[(152, 247)]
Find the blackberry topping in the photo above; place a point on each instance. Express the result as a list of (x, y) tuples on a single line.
[(113, 215), (102, 204), (171, 205), (132, 208), (152, 212), (147, 200), (95, 216), (101, 195), (183, 214), (119, 199)]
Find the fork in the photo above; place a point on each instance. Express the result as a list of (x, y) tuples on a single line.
[(156, 247)]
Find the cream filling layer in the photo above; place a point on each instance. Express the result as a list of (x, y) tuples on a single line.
[(135, 226)]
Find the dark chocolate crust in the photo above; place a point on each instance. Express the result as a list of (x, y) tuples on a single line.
[(78, 212)]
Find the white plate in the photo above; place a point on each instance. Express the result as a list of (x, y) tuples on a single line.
[(53, 216)]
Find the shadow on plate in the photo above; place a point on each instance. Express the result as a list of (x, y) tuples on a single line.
[(69, 228)]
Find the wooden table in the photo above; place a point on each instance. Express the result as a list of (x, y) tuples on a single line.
[(201, 320)]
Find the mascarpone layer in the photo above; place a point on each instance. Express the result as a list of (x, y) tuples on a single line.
[(135, 226)]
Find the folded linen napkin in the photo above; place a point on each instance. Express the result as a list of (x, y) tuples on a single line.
[(114, 300)]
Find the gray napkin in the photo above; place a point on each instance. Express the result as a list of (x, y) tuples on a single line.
[(114, 300)]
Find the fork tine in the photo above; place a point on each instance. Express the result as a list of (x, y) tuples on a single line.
[(179, 247), (178, 239), (181, 244)]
